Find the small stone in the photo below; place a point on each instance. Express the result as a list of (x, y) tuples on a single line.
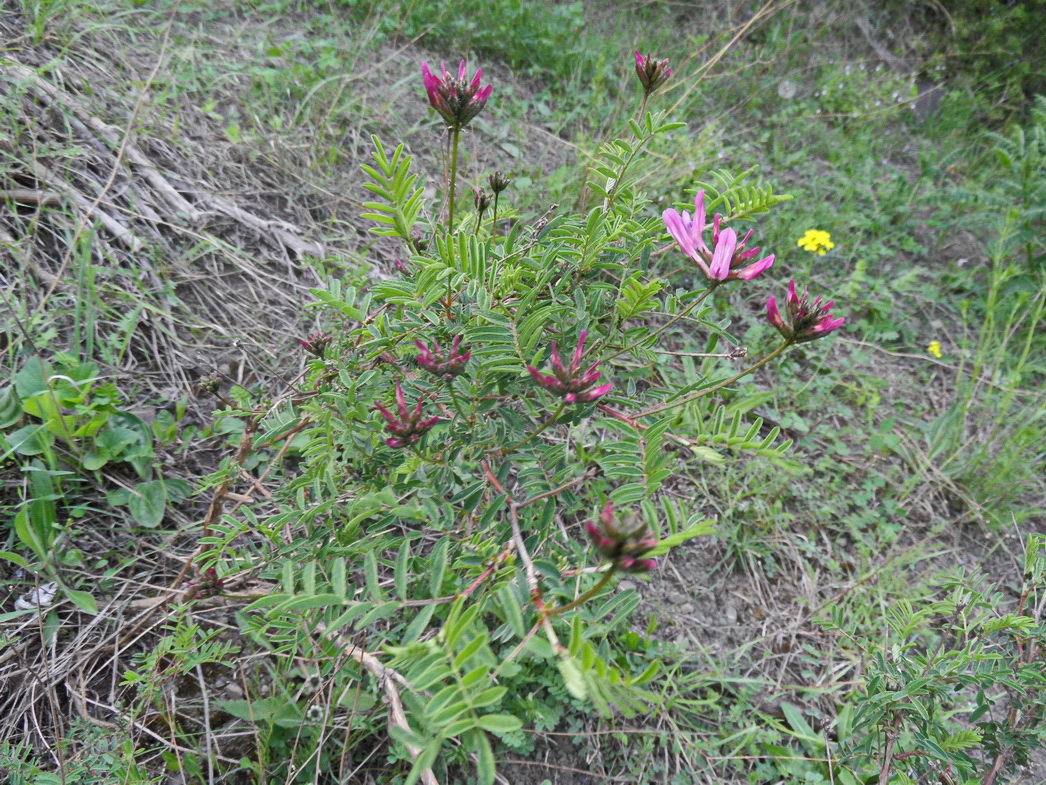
[(234, 691), (687, 608), (625, 585), (677, 597)]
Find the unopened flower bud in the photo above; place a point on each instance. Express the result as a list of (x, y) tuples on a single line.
[(622, 543), (482, 199), (209, 384), (498, 182), (316, 344), (652, 73)]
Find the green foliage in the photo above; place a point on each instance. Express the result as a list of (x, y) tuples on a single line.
[(393, 183), (936, 687), (1020, 192)]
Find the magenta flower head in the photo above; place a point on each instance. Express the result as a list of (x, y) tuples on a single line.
[(409, 427), (457, 100), (622, 544), (728, 260), (316, 344), (806, 321), (652, 73), (437, 361), (570, 382), (205, 584)]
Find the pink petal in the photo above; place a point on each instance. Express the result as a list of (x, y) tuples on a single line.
[(401, 403), (386, 414), (774, 315), (680, 231), (757, 268), (697, 228), (576, 362), (557, 364), (724, 254)]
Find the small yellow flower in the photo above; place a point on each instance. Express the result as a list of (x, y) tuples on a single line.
[(935, 349), (816, 240)]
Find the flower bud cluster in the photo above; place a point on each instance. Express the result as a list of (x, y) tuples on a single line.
[(806, 321), (206, 584), (652, 73), (316, 344), (442, 363), (571, 382), (624, 543), (457, 100), (408, 428)]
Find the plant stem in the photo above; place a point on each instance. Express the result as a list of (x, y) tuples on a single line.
[(584, 597), (667, 324), (454, 398), (552, 418), (455, 135), (494, 218), (718, 386)]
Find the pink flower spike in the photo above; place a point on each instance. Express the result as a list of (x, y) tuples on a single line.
[(409, 427), (457, 100), (442, 363), (806, 321), (730, 259), (570, 382)]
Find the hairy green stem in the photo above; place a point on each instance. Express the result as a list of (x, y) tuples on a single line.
[(455, 135), (494, 218), (584, 597)]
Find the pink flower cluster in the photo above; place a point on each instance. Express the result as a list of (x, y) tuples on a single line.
[(806, 321), (727, 260), (457, 100), (570, 382), (442, 363), (316, 344), (652, 73), (624, 546), (409, 427)]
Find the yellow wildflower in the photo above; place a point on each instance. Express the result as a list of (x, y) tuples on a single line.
[(816, 240), (935, 349)]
